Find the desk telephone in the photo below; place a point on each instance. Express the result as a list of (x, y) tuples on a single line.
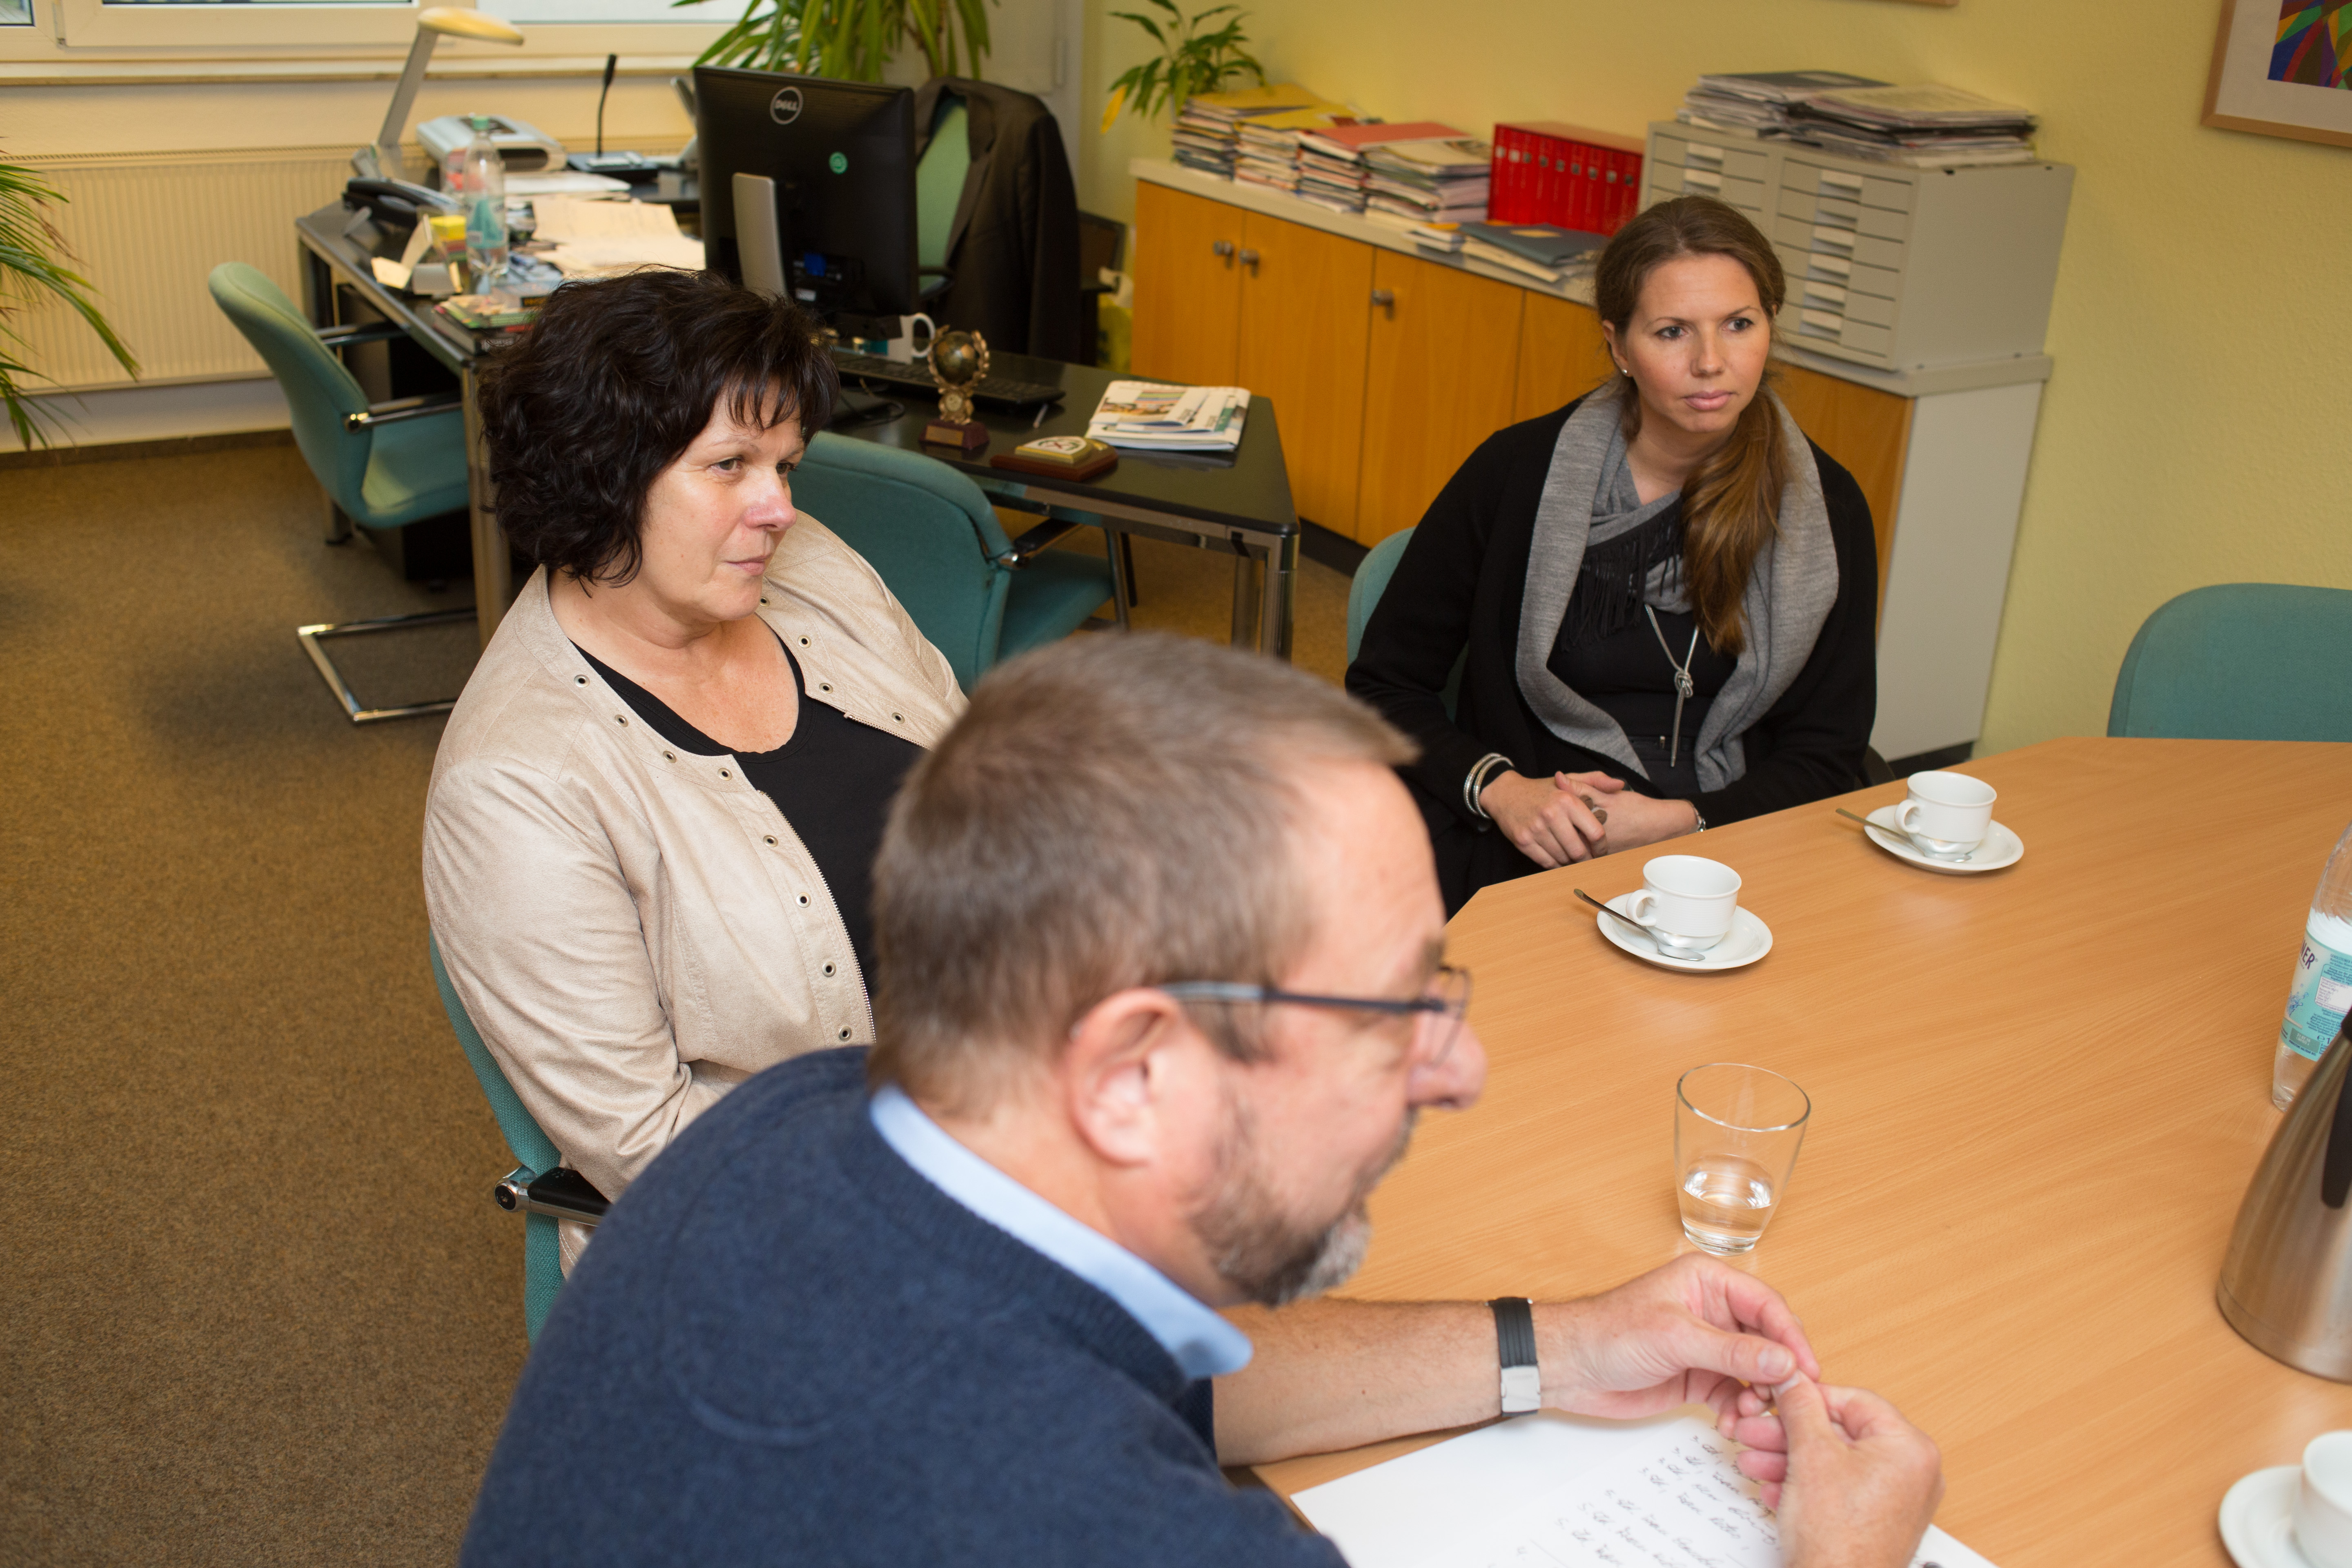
[(396, 202)]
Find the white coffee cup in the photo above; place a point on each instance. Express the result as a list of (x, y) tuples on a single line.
[(909, 344), (1947, 815), (1687, 902), (2322, 1501)]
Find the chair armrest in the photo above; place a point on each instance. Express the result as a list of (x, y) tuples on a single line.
[(565, 1194), (401, 408), (344, 337)]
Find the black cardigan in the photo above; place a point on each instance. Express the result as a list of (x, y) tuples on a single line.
[(1013, 251), (1461, 580)]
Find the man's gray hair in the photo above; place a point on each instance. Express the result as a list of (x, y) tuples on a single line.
[(1113, 811)]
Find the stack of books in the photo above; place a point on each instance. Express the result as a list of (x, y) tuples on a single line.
[(1927, 126), (1409, 182), (1331, 168), (1149, 416), (1757, 104), (1207, 135)]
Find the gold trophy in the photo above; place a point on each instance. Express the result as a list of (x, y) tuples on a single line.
[(959, 361)]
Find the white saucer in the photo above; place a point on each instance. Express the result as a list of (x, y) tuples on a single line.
[(1748, 939), (2001, 848), (2258, 1520)]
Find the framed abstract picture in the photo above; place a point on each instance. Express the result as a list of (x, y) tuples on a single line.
[(2283, 67)]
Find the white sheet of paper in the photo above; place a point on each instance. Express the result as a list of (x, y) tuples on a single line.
[(1558, 1491), (597, 258), (566, 182), (566, 218)]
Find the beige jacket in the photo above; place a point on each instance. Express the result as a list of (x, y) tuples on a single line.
[(636, 930)]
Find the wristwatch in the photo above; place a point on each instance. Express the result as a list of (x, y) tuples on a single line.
[(1515, 1341)]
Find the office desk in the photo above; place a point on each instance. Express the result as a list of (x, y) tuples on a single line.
[(2039, 1095), (1240, 504)]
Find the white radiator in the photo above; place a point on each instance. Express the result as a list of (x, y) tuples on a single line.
[(145, 228)]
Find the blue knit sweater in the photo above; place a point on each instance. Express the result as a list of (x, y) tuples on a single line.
[(787, 1346)]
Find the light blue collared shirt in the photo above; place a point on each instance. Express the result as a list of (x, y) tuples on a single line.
[(1204, 1343)]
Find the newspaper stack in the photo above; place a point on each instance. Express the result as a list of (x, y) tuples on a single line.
[(1331, 168), (1756, 103), (1409, 183), (1147, 415), (1207, 134), (1269, 151), (1927, 126)]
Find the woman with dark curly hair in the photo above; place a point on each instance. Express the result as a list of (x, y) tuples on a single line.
[(651, 828), (1662, 599)]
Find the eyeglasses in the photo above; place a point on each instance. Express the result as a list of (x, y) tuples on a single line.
[(1447, 998)]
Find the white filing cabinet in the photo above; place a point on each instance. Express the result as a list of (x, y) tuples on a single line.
[(1896, 267)]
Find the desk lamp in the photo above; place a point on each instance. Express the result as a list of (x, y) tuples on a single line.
[(383, 160)]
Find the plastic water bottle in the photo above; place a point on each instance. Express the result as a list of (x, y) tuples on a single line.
[(486, 210), (2322, 989)]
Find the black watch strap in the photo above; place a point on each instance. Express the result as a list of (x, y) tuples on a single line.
[(1515, 1342)]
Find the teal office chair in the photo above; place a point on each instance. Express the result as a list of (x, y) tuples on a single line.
[(539, 1189), (1364, 591), (2240, 661), (383, 465), (930, 533)]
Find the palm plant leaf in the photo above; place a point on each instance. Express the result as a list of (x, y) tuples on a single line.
[(33, 257)]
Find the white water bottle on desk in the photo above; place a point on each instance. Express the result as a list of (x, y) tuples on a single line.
[(486, 210), (2322, 990)]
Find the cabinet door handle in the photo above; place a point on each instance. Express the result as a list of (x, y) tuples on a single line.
[(1220, 247), (1249, 260), (1385, 299)]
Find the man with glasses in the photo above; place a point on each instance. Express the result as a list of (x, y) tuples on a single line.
[(1162, 992)]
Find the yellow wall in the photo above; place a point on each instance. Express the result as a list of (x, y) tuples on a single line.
[(2195, 430)]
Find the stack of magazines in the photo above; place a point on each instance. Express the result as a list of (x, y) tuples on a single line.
[(1145, 416), (1331, 168), (1927, 126), (1756, 103), (1409, 183), (1268, 150), (1540, 250), (1207, 135)]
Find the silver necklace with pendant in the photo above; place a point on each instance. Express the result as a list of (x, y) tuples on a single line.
[(1685, 688)]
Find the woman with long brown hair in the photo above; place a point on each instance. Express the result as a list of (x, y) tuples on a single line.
[(1661, 598)]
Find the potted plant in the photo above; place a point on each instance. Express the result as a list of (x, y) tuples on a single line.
[(1191, 60), (852, 40), (33, 262)]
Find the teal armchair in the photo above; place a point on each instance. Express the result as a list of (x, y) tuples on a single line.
[(2240, 661), (932, 535), (382, 465)]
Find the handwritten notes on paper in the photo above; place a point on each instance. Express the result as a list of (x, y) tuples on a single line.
[(1652, 1494), (593, 238)]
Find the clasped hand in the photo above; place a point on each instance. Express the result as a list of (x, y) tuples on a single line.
[(1574, 817), (1855, 1486)]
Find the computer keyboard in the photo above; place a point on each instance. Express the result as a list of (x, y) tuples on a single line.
[(999, 390)]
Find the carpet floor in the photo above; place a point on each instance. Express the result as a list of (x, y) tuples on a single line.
[(256, 1307)]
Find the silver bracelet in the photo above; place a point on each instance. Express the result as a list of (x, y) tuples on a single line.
[(1482, 774), (1701, 817)]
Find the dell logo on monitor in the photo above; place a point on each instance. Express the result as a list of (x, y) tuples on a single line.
[(785, 107)]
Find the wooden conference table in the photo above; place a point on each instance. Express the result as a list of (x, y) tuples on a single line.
[(2038, 1097)]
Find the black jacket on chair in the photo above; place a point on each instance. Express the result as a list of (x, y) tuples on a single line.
[(1013, 251)]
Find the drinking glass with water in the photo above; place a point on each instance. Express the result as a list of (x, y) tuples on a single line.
[(1737, 1132)]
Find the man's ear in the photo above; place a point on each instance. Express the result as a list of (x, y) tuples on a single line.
[(1133, 1060)]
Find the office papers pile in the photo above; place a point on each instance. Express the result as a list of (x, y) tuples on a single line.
[(586, 238), (1147, 415), (1926, 126), (1332, 171), (1408, 183), (1268, 151), (1756, 103), (1207, 134), (1445, 239), (1540, 250)]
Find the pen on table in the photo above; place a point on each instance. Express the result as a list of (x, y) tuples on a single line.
[(1041, 415)]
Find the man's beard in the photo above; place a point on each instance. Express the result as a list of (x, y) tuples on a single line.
[(1264, 1254)]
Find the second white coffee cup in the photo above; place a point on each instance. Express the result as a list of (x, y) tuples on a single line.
[(1687, 901), (1947, 815), (2322, 1501)]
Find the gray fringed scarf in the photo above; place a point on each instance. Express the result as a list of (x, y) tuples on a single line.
[(1790, 588)]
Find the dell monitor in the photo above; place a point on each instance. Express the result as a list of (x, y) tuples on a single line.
[(838, 160)]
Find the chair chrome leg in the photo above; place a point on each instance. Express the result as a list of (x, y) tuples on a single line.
[(338, 522), (311, 637), (1122, 566)]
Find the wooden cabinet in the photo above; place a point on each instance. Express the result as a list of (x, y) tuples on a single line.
[(1187, 287), (1305, 318), (1440, 376), (1863, 428), (1562, 355)]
